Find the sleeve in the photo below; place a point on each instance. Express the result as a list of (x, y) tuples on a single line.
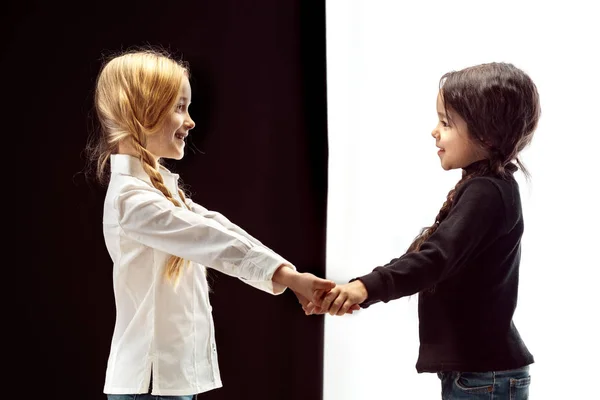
[(477, 216), (146, 216), (221, 219)]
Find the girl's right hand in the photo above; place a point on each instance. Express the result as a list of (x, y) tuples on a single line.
[(304, 284), (344, 298), (311, 309)]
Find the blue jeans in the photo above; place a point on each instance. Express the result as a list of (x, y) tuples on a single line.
[(147, 397), (499, 385)]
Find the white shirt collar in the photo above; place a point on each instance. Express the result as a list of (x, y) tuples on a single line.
[(130, 165)]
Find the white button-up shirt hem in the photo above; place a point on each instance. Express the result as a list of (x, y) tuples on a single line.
[(157, 392)]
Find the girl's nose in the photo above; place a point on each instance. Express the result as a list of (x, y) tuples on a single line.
[(190, 124)]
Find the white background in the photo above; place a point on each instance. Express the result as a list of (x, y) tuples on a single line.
[(384, 61)]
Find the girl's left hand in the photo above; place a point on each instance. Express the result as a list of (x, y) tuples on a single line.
[(344, 299), (308, 306)]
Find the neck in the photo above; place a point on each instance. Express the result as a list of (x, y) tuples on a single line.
[(476, 166)]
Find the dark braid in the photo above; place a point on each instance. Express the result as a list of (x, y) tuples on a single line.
[(481, 168)]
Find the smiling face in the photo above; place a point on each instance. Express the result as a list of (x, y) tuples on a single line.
[(169, 142), (456, 149)]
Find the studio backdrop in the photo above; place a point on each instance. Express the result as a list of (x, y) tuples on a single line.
[(384, 62)]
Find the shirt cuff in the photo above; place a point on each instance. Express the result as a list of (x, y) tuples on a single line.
[(259, 266), (375, 288)]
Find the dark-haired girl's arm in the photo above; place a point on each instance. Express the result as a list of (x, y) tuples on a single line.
[(476, 218)]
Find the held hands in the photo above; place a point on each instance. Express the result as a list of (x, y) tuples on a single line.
[(309, 289), (340, 300), (320, 296)]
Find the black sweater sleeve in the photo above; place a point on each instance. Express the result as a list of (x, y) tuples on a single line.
[(477, 217)]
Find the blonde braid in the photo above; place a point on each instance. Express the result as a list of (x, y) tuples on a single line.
[(182, 196), (135, 93), (175, 264)]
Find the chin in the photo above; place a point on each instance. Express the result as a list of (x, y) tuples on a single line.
[(174, 156), (448, 165)]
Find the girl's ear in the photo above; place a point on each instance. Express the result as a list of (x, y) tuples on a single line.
[(488, 143), (481, 147), (483, 143)]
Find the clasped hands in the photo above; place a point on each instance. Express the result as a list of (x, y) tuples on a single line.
[(334, 299), (320, 296)]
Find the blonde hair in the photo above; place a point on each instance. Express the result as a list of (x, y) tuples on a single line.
[(135, 92)]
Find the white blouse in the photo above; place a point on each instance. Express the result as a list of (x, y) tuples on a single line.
[(161, 328)]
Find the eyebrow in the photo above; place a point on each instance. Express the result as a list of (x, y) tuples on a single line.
[(442, 115), (184, 98)]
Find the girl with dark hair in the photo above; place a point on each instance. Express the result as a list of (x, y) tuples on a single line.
[(465, 266)]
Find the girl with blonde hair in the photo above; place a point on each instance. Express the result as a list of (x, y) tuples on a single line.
[(160, 241)]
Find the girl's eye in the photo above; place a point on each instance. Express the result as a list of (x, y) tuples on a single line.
[(444, 124), (180, 107)]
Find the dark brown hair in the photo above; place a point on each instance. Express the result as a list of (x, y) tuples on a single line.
[(500, 104)]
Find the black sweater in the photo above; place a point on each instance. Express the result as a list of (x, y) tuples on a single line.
[(467, 276)]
